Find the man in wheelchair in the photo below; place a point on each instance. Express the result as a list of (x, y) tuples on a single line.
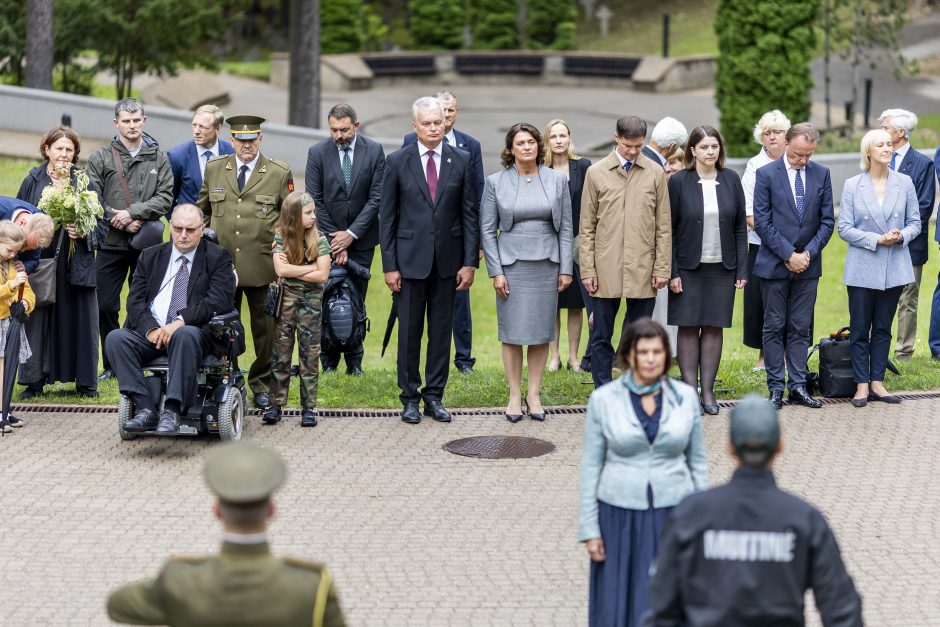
[(178, 287)]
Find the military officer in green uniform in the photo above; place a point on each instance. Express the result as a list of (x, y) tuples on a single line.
[(241, 197), (245, 584)]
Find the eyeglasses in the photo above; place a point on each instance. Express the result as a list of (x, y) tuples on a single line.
[(179, 230)]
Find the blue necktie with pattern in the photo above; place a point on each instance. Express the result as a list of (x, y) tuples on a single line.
[(800, 195), (894, 158), (178, 297), (627, 166)]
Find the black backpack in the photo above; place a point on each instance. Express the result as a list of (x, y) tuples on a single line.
[(836, 377), (345, 323)]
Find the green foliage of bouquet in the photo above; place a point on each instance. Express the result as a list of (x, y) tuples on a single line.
[(70, 204)]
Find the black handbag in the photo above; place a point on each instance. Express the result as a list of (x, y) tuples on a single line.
[(43, 279), (836, 377), (272, 303)]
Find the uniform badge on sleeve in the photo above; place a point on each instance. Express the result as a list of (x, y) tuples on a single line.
[(290, 185)]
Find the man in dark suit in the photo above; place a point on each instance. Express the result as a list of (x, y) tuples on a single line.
[(934, 339), (793, 217), (188, 160), (177, 288), (429, 232), (344, 178), (463, 322), (900, 124)]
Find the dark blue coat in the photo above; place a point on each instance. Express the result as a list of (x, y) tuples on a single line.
[(777, 223), (467, 144), (187, 177), (920, 168)]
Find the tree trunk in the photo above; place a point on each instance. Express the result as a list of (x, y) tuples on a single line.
[(856, 64), (304, 99), (39, 44), (522, 25)]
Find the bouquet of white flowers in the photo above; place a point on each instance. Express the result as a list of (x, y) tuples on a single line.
[(68, 204)]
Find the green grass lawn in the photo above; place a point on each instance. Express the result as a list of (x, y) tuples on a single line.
[(487, 387), (637, 28)]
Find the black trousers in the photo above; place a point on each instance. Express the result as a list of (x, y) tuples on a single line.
[(602, 351), (871, 313), (432, 297), (589, 309), (753, 303), (128, 350), (262, 334), (112, 269), (463, 331), (353, 357), (788, 318)]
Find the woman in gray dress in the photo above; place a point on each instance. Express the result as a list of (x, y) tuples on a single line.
[(525, 224)]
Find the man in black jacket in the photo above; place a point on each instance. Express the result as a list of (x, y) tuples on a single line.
[(344, 178), (745, 553), (177, 288)]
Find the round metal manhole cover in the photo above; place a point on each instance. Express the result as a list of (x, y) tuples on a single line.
[(499, 447)]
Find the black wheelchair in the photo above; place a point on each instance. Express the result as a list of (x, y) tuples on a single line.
[(221, 394)]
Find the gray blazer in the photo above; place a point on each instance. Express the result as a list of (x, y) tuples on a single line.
[(862, 221), (496, 212)]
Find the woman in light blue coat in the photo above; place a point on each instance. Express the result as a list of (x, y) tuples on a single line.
[(643, 453), (878, 217)]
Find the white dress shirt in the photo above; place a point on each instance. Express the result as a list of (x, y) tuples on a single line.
[(436, 153), (711, 234), (451, 138), (342, 151), (251, 167), (791, 174), (623, 161), (201, 151), (901, 152), (161, 303)]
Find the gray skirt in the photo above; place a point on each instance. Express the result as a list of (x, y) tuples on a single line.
[(24, 352), (527, 317)]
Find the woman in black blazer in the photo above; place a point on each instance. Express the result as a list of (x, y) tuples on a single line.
[(560, 155), (709, 257)]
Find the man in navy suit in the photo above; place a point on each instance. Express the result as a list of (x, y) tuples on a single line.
[(430, 236), (900, 124), (793, 217), (188, 160), (463, 322), (344, 178), (668, 135), (934, 339)]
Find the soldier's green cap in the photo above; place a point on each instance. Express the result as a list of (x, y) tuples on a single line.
[(243, 472), (755, 429), (245, 127)]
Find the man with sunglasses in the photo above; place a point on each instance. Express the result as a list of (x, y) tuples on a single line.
[(177, 288)]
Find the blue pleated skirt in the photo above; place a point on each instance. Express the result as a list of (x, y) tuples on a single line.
[(619, 589)]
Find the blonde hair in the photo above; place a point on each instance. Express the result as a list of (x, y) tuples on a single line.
[(290, 227), (547, 149), (771, 121), (41, 225), (11, 233), (867, 142), (217, 116)]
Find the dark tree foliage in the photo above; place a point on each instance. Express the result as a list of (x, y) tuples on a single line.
[(436, 24), (763, 64), (552, 24), (341, 26), (493, 24)]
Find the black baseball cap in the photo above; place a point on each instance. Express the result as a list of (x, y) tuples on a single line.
[(755, 429)]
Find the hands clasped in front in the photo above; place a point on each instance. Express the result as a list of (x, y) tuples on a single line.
[(891, 238), (160, 336), (123, 221)]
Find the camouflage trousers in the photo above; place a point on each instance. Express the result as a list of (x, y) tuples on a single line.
[(301, 315)]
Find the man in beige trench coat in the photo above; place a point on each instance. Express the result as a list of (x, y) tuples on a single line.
[(626, 238)]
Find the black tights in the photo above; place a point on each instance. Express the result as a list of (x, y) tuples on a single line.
[(699, 351)]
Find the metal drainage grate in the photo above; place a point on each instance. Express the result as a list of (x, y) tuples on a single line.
[(499, 447)]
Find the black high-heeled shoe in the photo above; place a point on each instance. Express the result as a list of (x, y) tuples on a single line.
[(539, 417), (514, 418)]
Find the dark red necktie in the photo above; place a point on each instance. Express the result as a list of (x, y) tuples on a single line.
[(431, 173)]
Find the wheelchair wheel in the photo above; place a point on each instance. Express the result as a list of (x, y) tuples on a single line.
[(231, 415), (125, 413)]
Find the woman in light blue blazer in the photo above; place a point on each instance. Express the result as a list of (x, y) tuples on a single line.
[(879, 216), (525, 232), (643, 453)]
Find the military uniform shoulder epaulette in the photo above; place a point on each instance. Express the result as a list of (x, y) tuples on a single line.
[(281, 164), (216, 158), (314, 566), (189, 559)]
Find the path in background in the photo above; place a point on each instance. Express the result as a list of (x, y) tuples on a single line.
[(417, 536)]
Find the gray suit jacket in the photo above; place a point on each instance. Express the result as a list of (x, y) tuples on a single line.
[(862, 221), (496, 213)]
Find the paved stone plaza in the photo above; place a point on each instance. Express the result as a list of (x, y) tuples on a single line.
[(417, 536)]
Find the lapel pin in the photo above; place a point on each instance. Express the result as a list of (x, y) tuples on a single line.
[(448, 160)]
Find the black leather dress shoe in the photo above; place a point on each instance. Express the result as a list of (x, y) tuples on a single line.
[(776, 399), (169, 423), (272, 415), (262, 400), (465, 369), (81, 390), (326, 369), (436, 410), (354, 371), (410, 413), (143, 420), (30, 392), (890, 398), (105, 375), (308, 418), (585, 364), (799, 396)]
